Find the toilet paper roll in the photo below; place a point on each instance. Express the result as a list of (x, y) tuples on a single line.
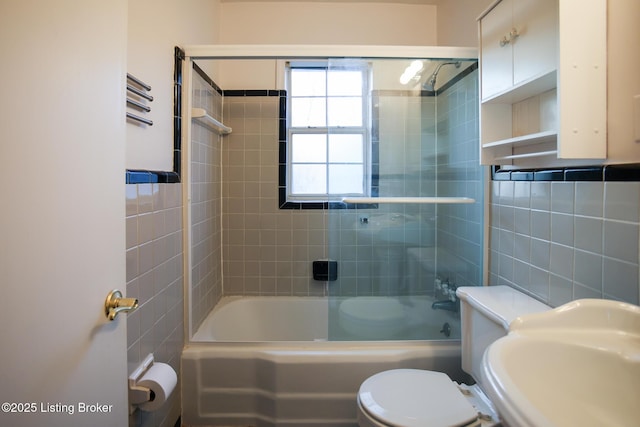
[(161, 379)]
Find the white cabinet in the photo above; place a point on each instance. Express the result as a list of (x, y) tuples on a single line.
[(543, 74), (519, 39)]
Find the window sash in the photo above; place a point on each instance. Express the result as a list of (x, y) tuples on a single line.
[(330, 127), (329, 166)]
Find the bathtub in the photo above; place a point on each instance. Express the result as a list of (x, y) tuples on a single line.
[(268, 361)]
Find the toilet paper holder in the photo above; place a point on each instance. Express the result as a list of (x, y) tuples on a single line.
[(139, 394)]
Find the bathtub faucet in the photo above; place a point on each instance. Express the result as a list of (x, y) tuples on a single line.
[(446, 305)]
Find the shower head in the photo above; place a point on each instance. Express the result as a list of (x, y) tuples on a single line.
[(430, 84)]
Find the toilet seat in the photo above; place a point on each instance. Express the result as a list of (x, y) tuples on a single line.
[(415, 398)]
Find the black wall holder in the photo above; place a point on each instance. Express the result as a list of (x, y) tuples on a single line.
[(325, 270)]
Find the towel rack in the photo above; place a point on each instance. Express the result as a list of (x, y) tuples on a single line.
[(138, 82), (138, 105), (139, 119), (140, 89), (416, 200), (200, 114)]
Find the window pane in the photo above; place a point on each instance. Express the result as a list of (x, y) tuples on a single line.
[(344, 83), (308, 148), (308, 82), (346, 179), (345, 111), (345, 148), (309, 179), (308, 112)]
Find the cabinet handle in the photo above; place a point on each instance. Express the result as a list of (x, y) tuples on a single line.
[(513, 35)]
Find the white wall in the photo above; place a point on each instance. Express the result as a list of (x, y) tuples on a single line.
[(623, 78), (287, 22), (155, 28), (305, 22), (457, 25)]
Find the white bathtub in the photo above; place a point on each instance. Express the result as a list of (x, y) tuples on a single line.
[(250, 319), (266, 361)]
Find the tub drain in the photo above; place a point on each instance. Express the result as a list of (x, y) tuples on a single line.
[(446, 329)]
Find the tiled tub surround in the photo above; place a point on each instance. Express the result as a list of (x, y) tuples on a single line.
[(154, 276), (561, 241), (266, 250), (206, 202), (269, 251)]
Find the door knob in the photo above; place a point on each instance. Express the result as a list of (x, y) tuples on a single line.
[(115, 304)]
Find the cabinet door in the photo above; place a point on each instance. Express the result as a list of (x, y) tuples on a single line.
[(496, 60), (535, 50)]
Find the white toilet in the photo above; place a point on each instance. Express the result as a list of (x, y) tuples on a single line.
[(419, 398)]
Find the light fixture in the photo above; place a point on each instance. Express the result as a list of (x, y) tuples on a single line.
[(411, 72)]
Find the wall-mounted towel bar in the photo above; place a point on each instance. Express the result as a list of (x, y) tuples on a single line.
[(139, 119), (138, 82), (139, 88), (200, 114), (138, 105), (139, 92), (417, 200)]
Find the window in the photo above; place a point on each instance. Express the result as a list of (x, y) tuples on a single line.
[(328, 144)]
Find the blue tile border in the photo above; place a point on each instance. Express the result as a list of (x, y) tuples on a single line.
[(151, 177), (626, 172)]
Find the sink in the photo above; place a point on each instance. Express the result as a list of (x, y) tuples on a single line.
[(576, 365)]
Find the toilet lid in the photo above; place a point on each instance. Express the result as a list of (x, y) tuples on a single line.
[(415, 398)]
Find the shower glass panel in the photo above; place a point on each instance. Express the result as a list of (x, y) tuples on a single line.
[(404, 129)]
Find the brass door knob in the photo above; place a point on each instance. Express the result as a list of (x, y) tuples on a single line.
[(115, 304)]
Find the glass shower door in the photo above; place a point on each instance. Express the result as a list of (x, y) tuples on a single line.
[(389, 250)]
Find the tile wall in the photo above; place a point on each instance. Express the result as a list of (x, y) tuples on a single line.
[(269, 251), (459, 174), (155, 277), (428, 147), (266, 250), (206, 204), (561, 241), (404, 134)]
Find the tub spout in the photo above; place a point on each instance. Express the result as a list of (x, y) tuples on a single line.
[(445, 305)]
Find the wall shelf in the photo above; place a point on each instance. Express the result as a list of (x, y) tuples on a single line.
[(201, 115), (534, 138)]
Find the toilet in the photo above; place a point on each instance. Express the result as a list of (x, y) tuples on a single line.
[(420, 398)]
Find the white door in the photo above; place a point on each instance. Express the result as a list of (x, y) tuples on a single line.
[(62, 212)]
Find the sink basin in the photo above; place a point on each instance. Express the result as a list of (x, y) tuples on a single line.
[(577, 365)]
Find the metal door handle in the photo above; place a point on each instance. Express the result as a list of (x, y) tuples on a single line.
[(115, 304)]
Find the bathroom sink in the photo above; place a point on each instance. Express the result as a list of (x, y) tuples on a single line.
[(577, 365)]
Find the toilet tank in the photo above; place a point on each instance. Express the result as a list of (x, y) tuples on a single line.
[(486, 312)]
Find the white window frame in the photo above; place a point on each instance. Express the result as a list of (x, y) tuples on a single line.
[(364, 130)]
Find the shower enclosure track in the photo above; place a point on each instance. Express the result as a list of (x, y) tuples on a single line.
[(416, 200)]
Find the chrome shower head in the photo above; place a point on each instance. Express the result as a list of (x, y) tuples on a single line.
[(430, 84)]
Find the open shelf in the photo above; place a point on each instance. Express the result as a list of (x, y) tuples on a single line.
[(534, 138), (525, 89)]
